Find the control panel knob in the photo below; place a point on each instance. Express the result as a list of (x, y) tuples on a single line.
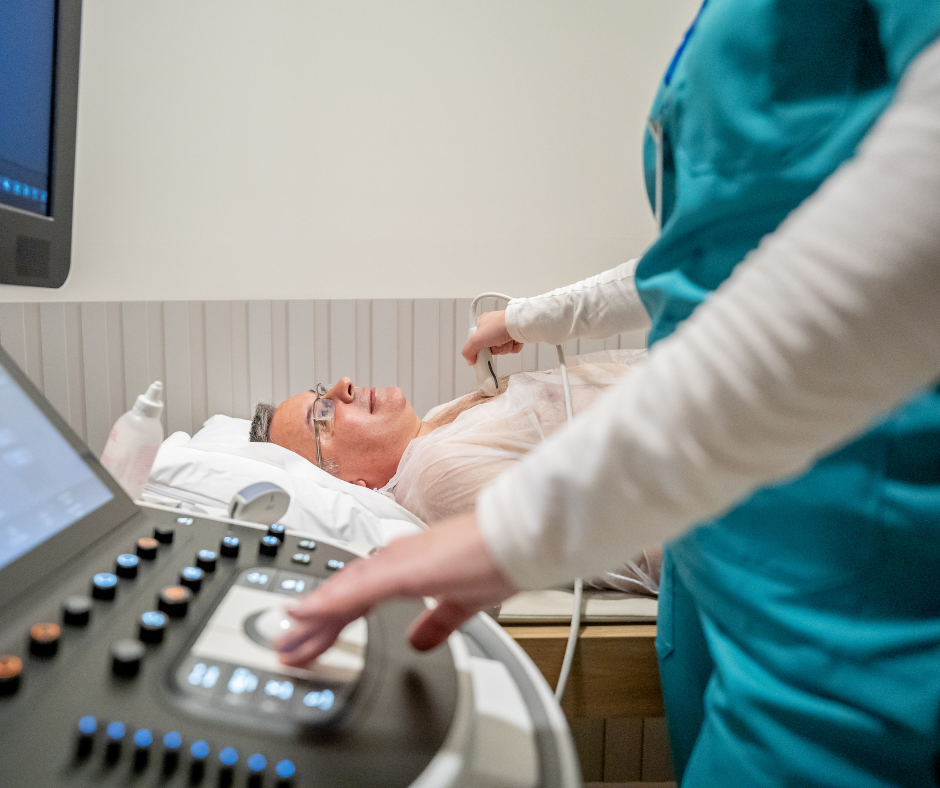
[(126, 656), (104, 586), (229, 546), (174, 601), (11, 668), (44, 639), (199, 750), (147, 548), (269, 545), (86, 731), (191, 577), (115, 733), (163, 535), (277, 530), (142, 741), (152, 626), (76, 611), (126, 565), (171, 751), (205, 560)]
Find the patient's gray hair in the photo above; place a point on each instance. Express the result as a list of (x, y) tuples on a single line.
[(260, 432)]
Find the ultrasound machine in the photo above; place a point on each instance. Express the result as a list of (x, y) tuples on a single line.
[(135, 650)]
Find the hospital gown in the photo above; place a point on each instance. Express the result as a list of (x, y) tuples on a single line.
[(440, 474)]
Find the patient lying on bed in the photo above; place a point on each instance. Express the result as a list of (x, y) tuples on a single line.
[(435, 466)]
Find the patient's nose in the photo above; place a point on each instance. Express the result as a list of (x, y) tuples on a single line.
[(342, 391)]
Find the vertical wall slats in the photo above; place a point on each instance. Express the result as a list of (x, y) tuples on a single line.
[(342, 341), (426, 363), (363, 343), (52, 327), (279, 351), (445, 352), (178, 381), (96, 374), (197, 363), (219, 385), (301, 370), (405, 321), (260, 379), (13, 333), (321, 343), (93, 359), (385, 343), (463, 372), (242, 405)]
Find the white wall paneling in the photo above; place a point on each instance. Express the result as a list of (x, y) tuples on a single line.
[(92, 359)]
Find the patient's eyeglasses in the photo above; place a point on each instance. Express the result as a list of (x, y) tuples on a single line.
[(323, 410)]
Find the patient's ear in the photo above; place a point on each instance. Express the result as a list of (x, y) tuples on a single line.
[(361, 483)]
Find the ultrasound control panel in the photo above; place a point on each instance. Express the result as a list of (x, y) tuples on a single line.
[(146, 660)]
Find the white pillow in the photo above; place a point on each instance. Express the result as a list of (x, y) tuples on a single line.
[(206, 471)]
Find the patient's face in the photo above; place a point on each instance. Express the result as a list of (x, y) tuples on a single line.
[(371, 429)]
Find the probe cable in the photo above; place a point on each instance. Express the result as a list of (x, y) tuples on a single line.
[(578, 583)]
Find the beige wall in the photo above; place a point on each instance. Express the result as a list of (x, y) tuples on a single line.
[(236, 149)]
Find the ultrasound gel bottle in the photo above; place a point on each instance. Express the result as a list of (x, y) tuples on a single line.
[(134, 441)]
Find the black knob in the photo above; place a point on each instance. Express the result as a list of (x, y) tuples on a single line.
[(126, 656), (152, 627), (44, 639), (205, 560), (191, 577), (142, 741), (269, 545), (126, 565), (277, 530), (86, 733), (76, 611), (11, 668), (174, 601), (104, 586), (228, 547), (147, 548), (115, 739), (163, 535)]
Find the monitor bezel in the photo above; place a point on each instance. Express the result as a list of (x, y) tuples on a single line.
[(32, 567), (55, 229)]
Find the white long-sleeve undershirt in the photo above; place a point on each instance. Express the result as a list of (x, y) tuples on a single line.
[(831, 322), (594, 308)]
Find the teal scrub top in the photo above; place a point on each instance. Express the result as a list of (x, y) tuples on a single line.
[(799, 634)]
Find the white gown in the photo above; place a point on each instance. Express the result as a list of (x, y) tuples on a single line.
[(441, 474)]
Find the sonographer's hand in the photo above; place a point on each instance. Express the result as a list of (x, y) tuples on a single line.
[(449, 562), (491, 332)]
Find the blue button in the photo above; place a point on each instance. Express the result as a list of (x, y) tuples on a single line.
[(87, 725), (126, 559), (172, 741), (256, 762), (192, 573), (334, 564), (105, 580), (200, 749), (285, 769), (230, 541), (207, 555), (116, 731), (270, 540), (153, 619), (143, 738), (228, 756), (184, 520)]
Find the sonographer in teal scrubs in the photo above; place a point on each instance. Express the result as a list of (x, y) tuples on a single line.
[(776, 620)]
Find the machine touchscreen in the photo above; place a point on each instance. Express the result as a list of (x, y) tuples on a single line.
[(45, 485)]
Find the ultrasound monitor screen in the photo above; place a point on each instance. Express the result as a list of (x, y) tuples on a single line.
[(27, 65), (45, 485)]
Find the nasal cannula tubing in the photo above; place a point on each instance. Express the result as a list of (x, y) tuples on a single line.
[(578, 583)]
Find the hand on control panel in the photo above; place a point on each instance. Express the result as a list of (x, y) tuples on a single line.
[(450, 562)]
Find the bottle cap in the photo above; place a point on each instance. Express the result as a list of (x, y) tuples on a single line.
[(151, 403)]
